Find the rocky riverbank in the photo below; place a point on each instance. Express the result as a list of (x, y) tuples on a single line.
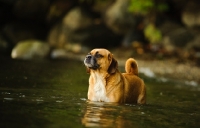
[(159, 35), (186, 72)]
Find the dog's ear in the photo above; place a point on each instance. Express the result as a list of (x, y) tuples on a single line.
[(88, 70), (113, 66)]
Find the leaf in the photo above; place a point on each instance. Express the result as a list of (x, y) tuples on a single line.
[(152, 33), (144, 7)]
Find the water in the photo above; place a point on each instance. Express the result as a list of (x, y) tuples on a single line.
[(53, 93)]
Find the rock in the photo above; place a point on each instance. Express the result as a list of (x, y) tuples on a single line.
[(81, 30), (61, 37), (58, 53), (71, 29), (77, 19), (175, 36), (194, 44), (30, 49), (191, 14), (57, 37), (193, 48), (57, 9), (79, 27), (167, 26), (118, 18), (101, 6), (64, 54), (15, 32), (68, 53)]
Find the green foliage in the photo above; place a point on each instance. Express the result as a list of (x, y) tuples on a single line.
[(152, 33), (140, 6), (146, 6), (162, 7), (150, 8)]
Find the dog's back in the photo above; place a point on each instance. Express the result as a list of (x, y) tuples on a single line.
[(135, 92)]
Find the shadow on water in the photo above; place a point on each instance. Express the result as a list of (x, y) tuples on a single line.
[(52, 93)]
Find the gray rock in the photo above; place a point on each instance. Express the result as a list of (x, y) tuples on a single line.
[(194, 44), (57, 9), (57, 37), (191, 14), (77, 19), (118, 18), (175, 36), (71, 29), (167, 26), (78, 27), (30, 49)]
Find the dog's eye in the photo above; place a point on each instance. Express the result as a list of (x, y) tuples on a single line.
[(99, 56)]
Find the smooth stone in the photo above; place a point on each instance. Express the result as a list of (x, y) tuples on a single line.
[(30, 49)]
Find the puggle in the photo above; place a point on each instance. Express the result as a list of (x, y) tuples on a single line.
[(107, 84)]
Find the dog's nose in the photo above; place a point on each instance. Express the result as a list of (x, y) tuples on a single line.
[(88, 57)]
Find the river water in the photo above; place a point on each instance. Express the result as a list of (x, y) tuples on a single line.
[(53, 94)]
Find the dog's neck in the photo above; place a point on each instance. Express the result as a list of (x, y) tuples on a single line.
[(100, 86)]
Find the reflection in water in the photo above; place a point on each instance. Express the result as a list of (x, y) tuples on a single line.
[(56, 99), (100, 114)]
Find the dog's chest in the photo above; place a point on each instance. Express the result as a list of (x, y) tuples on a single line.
[(99, 89)]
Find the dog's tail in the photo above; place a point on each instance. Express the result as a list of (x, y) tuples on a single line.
[(131, 66)]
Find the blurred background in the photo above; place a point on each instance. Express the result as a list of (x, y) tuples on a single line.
[(145, 29), (148, 28), (43, 85)]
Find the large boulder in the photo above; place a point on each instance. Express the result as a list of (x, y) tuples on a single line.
[(191, 14), (77, 19), (57, 9), (15, 32), (70, 30), (118, 18), (194, 46), (175, 36), (78, 27), (30, 49), (57, 36)]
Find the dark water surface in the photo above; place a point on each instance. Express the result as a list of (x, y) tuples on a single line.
[(53, 93)]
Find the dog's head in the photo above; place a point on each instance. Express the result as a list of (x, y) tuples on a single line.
[(100, 59)]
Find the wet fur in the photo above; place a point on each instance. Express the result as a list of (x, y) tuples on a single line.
[(107, 84)]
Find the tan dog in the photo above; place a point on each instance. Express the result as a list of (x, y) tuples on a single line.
[(107, 84)]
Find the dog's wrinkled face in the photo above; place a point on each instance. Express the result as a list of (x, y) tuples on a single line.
[(100, 59)]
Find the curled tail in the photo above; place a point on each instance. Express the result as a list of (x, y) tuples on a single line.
[(131, 66)]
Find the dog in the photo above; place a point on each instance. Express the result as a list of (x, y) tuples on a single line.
[(107, 84)]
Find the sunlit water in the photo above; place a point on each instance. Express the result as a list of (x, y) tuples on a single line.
[(53, 94)]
